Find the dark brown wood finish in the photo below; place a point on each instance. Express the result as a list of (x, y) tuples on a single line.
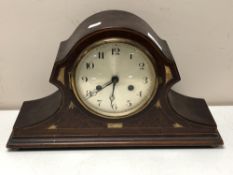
[(59, 121)]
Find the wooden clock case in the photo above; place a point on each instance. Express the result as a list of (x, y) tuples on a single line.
[(59, 121)]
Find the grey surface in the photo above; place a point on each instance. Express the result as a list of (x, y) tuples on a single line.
[(159, 161)]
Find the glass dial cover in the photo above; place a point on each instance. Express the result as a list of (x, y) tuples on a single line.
[(114, 78)]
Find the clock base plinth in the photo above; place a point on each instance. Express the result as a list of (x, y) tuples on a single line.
[(118, 142), (45, 123)]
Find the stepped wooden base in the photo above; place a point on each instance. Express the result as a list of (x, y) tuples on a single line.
[(121, 142), (45, 124)]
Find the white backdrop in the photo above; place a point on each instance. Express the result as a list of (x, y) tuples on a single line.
[(199, 33)]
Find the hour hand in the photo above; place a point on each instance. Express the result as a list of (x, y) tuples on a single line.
[(112, 98), (115, 80)]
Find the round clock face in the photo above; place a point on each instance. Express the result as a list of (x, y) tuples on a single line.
[(114, 78)]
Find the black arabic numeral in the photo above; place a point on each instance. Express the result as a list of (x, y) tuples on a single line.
[(101, 55), (114, 107), (99, 102), (146, 80), (140, 94), (131, 56), (115, 51), (84, 79), (90, 65), (88, 93), (141, 66), (129, 103)]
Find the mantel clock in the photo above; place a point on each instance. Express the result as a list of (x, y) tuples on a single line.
[(114, 77)]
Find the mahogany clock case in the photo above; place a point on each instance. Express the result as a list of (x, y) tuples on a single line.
[(60, 121)]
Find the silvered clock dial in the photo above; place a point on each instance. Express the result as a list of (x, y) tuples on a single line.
[(114, 78)]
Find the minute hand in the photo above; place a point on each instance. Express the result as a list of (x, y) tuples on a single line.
[(105, 85)]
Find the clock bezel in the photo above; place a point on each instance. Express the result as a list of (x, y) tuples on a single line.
[(120, 115)]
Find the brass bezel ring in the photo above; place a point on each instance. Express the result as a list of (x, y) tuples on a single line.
[(108, 115)]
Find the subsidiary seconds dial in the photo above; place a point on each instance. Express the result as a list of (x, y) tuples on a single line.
[(114, 78)]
